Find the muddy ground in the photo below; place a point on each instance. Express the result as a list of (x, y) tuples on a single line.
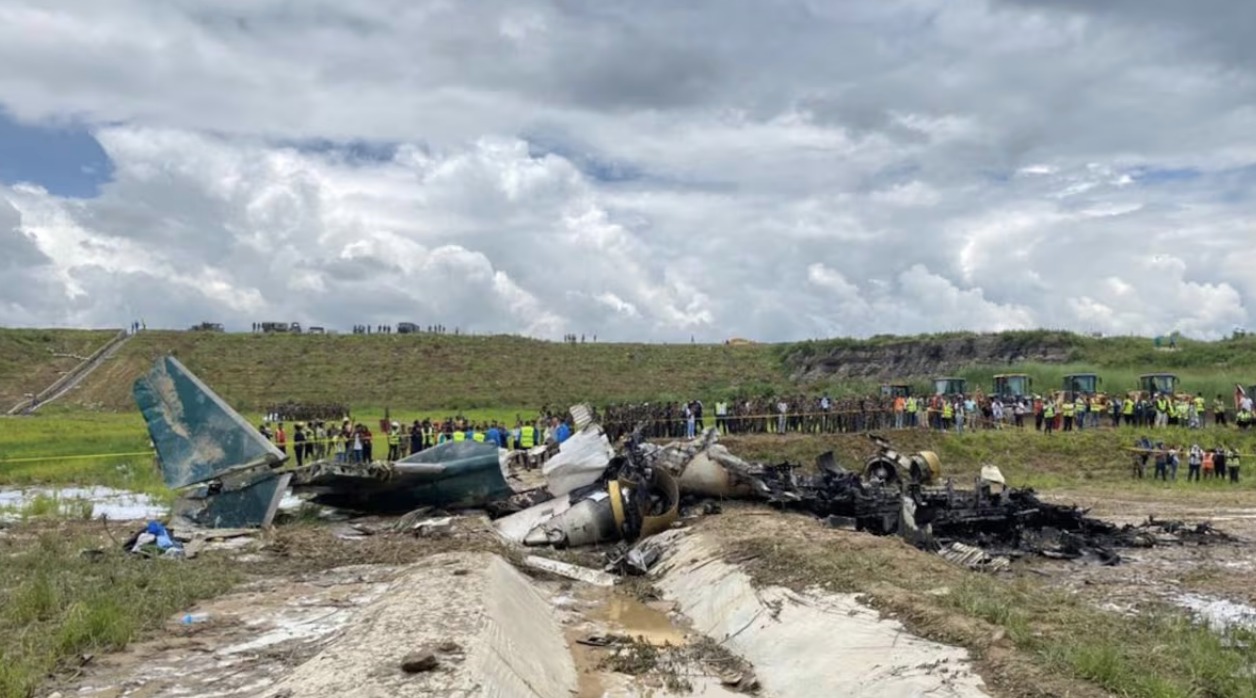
[(306, 581)]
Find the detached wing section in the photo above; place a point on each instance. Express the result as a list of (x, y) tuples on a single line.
[(198, 437), (464, 474)]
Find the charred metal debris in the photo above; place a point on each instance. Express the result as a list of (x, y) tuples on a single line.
[(593, 493)]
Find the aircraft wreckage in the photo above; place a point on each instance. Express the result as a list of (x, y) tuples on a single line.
[(232, 476)]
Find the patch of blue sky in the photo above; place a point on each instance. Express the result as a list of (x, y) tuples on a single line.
[(65, 159), (351, 151), (591, 164)]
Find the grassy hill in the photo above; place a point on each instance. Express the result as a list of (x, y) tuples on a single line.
[(426, 372), (432, 372), (30, 360)]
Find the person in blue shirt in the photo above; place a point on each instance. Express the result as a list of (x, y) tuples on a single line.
[(494, 436), (562, 432)]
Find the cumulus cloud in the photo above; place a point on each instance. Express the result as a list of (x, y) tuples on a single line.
[(772, 170)]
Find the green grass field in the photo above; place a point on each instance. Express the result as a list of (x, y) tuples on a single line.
[(77, 448)]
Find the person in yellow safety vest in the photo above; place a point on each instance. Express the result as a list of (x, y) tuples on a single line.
[(478, 436), (429, 435), (1218, 412), (527, 437), (913, 406), (1181, 412), (1127, 410), (1244, 419), (460, 435), (1079, 413), (1162, 412), (1048, 415), (1069, 408), (394, 442), (948, 414)]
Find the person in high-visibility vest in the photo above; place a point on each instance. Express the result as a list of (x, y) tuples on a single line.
[(394, 441), (948, 414), (527, 436), (459, 435), (281, 438), (1048, 415), (1127, 409), (1218, 412), (1069, 408), (913, 408), (1162, 412), (478, 435)]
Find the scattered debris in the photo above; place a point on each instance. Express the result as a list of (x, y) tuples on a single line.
[(418, 662), (154, 540), (635, 560), (200, 440), (974, 558), (580, 461), (631, 500), (593, 495), (455, 474), (576, 572)]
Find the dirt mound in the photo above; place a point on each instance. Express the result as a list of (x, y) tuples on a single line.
[(922, 357)]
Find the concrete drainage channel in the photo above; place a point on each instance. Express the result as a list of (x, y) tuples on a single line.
[(814, 644), (473, 624)]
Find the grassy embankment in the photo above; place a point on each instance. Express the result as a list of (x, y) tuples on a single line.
[(30, 360), (427, 372), (1207, 367)]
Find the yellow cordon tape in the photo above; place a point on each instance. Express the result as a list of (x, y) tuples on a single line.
[(35, 459)]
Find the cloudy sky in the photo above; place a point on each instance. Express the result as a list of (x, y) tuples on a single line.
[(775, 169)]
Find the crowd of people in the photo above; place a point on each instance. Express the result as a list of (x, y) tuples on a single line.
[(354, 442), (326, 431), (824, 414), (1218, 462)]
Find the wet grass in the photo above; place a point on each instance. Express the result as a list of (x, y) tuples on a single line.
[(50, 506), (72, 447), (60, 606), (1158, 653)]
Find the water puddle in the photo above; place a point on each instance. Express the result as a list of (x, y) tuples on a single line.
[(592, 614), (78, 502), (640, 621)]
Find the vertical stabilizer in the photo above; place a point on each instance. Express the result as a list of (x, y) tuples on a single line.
[(198, 437)]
